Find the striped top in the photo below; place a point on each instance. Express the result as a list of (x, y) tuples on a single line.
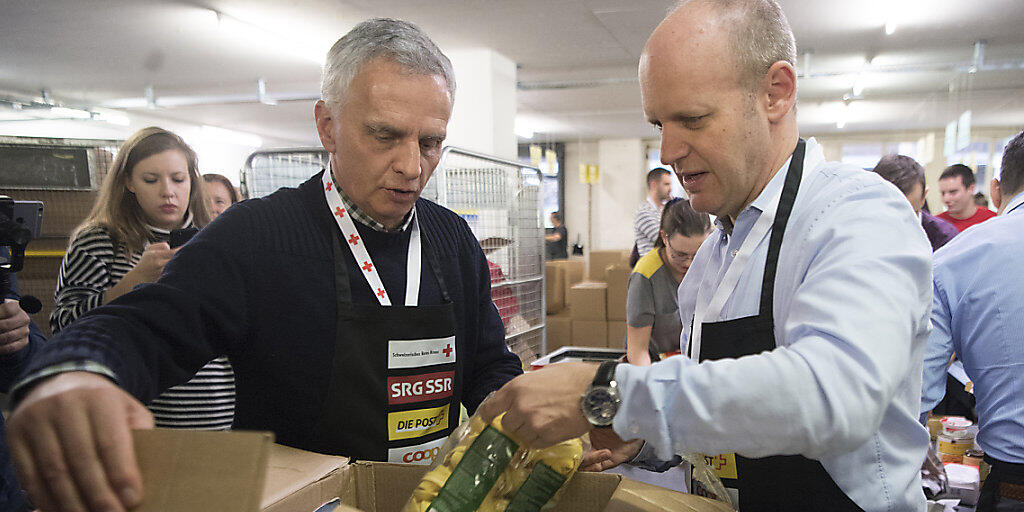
[(646, 225), (90, 267)]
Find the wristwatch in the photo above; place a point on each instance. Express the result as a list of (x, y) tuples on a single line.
[(601, 401)]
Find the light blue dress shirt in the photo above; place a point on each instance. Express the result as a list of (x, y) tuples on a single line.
[(852, 299), (978, 314)]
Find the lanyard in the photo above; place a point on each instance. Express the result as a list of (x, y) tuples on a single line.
[(362, 256), (712, 307)]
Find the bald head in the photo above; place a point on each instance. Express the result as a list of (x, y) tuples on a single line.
[(717, 79), (756, 32)]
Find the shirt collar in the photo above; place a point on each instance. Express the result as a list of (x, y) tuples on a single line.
[(813, 155), (1015, 203), (361, 216), (163, 234)]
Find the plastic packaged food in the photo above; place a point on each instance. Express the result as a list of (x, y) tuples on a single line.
[(482, 468)]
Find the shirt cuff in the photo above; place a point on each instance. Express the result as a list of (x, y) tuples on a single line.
[(24, 385), (646, 459)]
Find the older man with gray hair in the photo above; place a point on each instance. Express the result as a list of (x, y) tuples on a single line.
[(351, 307), (805, 313)]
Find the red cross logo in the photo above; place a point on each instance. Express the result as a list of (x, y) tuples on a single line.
[(448, 350), (353, 239), (339, 211), (329, 184), (367, 266), (720, 462), (380, 292)]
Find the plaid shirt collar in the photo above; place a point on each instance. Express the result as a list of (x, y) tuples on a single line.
[(361, 216)]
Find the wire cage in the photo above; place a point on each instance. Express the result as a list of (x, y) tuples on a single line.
[(501, 201), (266, 171)]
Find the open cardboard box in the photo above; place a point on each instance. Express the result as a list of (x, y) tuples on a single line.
[(245, 472)]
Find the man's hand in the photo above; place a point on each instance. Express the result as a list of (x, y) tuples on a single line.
[(70, 440), (608, 450), (13, 327), (542, 408)]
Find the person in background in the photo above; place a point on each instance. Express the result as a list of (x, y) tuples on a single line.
[(957, 186), (153, 187), (556, 243), (652, 316), (220, 194), (805, 313), (319, 294), (980, 200), (908, 176), (978, 315), (19, 339), (647, 218)]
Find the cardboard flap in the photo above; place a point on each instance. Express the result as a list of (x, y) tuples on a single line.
[(290, 470), (587, 491), (633, 496), (189, 471)]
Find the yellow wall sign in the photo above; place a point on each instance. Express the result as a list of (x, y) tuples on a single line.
[(417, 423), (589, 173)]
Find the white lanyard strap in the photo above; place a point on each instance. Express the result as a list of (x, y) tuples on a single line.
[(355, 244), (712, 308)]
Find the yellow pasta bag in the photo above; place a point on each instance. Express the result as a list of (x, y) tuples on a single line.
[(484, 469)]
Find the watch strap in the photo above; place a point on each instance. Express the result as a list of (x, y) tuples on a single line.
[(605, 373)]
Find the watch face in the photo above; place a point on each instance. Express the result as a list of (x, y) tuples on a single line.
[(600, 405)]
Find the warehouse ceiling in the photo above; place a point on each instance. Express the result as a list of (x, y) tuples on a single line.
[(577, 59)]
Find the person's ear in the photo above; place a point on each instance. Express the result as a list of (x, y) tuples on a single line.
[(324, 126), (779, 88), (996, 191)]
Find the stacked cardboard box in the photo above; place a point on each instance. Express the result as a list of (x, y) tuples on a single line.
[(597, 307)]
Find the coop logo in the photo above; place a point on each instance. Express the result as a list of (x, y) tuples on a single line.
[(420, 388), (417, 353), (417, 423), (419, 454)]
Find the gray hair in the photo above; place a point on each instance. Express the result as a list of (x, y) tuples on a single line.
[(759, 36), (397, 40)]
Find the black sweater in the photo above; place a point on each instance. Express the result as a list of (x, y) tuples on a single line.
[(257, 284)]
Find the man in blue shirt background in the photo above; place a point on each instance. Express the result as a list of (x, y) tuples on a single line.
[(978, 314)]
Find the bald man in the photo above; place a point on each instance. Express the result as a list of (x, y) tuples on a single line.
[(805, 312)]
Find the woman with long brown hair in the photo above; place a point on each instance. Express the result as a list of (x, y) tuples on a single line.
[(153, 187)]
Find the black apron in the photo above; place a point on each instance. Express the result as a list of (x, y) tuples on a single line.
[(782, 482), (395, 387)]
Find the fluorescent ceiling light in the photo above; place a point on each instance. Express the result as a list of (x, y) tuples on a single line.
[(112, 117), (73, 113), (292, 44), (890, 27), (523, 129), (858, 85)]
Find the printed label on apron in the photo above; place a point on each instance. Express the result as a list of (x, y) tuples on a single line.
[(420, 388), (722, 465), (420, 454), (417, 353), (417, 422)]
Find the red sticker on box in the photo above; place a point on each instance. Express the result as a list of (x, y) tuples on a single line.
[(420, 388)]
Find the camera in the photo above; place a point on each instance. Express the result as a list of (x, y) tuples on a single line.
[(20, 222)]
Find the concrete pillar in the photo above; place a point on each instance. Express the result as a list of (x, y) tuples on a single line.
[(484, 116)]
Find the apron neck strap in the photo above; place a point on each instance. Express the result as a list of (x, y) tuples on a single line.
[(786, 201)]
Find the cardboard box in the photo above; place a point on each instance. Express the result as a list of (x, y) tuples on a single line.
[(590, 333), (188, 470), (588, 301), (559, 331), (617, 277), (574, 268), (601, 260), (616, 334), (554, 287)]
